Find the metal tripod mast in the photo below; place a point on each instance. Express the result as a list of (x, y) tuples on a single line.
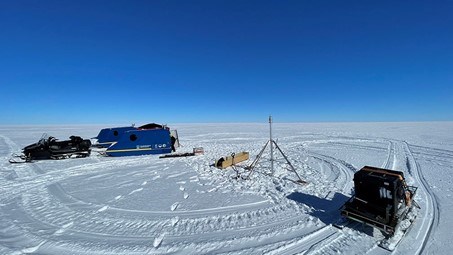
[(271, 144)]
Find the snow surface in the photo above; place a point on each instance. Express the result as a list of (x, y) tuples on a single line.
[(147, 205)]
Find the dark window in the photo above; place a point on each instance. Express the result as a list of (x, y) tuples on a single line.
[(133, 137), (115, 133)]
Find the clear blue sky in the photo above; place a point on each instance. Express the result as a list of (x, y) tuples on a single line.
[(225, 61)]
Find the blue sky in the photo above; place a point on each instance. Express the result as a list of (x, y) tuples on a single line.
[(81, 62)]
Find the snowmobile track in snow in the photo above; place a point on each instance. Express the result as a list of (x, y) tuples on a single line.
[(431, 216), (390, 156), (433, 211), (346, 170)]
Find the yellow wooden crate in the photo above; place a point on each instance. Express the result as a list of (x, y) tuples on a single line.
[(228, 161)]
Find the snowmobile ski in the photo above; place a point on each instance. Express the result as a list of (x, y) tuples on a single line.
[(17, 159)]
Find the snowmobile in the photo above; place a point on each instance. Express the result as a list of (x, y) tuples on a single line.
[(382, 200), (48, 147)]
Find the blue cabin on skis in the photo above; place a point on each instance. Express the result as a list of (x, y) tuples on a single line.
[(132, 141), (108, 136)]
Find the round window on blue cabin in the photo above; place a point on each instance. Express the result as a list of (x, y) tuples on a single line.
[(133, 137), (115, 133)]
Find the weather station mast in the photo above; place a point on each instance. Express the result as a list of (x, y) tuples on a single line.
[(271, 142)]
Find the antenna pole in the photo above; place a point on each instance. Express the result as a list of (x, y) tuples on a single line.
[(271, 144)]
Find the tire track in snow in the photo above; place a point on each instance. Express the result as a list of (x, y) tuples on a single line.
[(18, 186), (390, 154), (271, 227), (324, 236), (73, 203), (94, 233), (345, 168), (431, 215), (12, 236), (433, 155), (19, 171), (78, 208), (437, 151), (432, 212), (308, 243), (57, 218)]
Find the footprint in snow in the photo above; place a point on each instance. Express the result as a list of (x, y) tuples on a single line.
[(144, 183), (32, 249), (186, 195), (156, 177), (63, 228), (158, 240), (103, 208), (174, 221), (174, 206), (135, 191), (118, 197)]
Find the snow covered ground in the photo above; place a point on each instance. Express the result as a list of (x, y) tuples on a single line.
[(147, 205)]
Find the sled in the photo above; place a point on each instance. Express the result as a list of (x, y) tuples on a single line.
[(196, 152), (382, 200), (228, 161)]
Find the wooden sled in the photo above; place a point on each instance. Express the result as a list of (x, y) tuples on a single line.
[(228, 161)]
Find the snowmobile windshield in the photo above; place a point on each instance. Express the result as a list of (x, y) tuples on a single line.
[(43, 139)]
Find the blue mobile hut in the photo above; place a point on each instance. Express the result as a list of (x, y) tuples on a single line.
[(108, 136), (132, 141)]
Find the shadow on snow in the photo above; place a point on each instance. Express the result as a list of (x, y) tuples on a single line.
[(326, 210)]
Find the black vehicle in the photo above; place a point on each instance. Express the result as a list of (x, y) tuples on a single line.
[(382, 199), (48, 147)]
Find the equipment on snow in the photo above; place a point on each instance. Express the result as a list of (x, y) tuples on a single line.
[(228, 161), (196, 151), (48, 147), (382, 200), (108, 136), (132, 141), (271, 142)]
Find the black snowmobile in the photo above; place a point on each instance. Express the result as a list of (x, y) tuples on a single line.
[(48, 147)]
